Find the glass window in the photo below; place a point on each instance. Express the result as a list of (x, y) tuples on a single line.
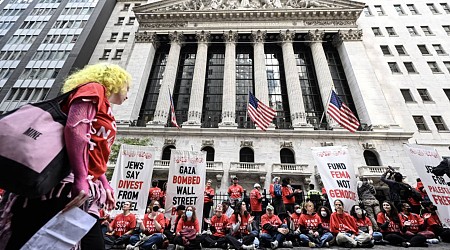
[(420, 123), (432, 8), (434, 67), (446, 7), (166, 152), (377, 31), (447, 65), (126, 7), (367, 11), (244, 84), (439, 49), (447, 93), (212, 100), (406, 93), (371, 158), (412, 31), (400, 50), (391, 31), (113, 37), (423, 49), (385, 50), (106, 53), (399, 9), (410, 67), (446, 29), (125, 36), (394, 67), (246, 155), (120, 20), (439, 123), (287, 156), (379, 10), (131, 20), (119, 53), (424, 95), (209, 153), (426, 30)]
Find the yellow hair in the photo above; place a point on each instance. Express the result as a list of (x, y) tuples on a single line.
[(112, 76)]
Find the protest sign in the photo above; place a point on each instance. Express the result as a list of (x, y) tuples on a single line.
[(338, 176), (132, 177), (186, 183), (424, 159)]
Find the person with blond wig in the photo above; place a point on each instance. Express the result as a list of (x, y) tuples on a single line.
[(89, 132)]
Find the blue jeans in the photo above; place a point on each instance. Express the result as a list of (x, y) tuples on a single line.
[(377, 236), (156, 238), (267, 238), (326, 237), (304, 239)]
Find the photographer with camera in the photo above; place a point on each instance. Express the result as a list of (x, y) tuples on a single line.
[(399, 192)]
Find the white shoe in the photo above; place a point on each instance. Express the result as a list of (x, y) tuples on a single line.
[(248, 247), (274, 244), (179, 247), (129, 247), (154, 247), (287, 243)]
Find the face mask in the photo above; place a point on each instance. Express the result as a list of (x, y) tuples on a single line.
[(189, 214), (155, 209), (298, 211), (323, 213), (358, 212), (409, 209)]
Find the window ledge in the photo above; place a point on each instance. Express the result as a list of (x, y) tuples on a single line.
[(397, 73), (129, 24), (116, 58), (429, 102), (118, 24), (427, 54), (438, 72), (388, 55), (424, 131), (103, 58), (110, 41), (393, 35), (413, 73), (430, 34), (411, 102), (403, 54), (444, 131), (445, 54), (123, 40)]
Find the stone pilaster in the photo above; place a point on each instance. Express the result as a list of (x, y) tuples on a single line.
[(229, 81), (198, 81), (259, 67), (168, 81), (296, 104)]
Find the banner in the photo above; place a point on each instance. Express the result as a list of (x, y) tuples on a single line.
[(186, 183), (132, 178), (424, 159), (338, 176)]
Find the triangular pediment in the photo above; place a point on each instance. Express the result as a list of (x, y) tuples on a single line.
[(165, 6)]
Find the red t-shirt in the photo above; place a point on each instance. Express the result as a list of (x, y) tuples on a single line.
[(393, 227), (273, 220), (220, 224), (295, 218), (287, 191), (325, 223), (243, 226), (433, 220), (188, 224), (154, 193), (104, 128), (271, 190), (122, 224), (342, 223), (363, 224), (235, 191), (255, 203), (415, 220), (311, 222), (210, 191), (149, 224)]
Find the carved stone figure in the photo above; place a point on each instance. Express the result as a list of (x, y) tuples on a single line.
[(245, 3)]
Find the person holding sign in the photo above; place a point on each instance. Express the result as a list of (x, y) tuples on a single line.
[(152, 226), (188, 230), (241, 228), (235, 192)]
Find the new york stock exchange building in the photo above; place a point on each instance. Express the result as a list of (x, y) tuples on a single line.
[(209, 54)]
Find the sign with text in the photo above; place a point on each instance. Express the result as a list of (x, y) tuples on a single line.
[(338, 176), (132, 178), (186, 183), (424, 160)]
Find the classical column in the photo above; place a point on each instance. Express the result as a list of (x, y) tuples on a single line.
[(294, 89), (168, 81), (139, 66), (365, 86), (198, 81), (259, 67), (323, 73), (229, 82)]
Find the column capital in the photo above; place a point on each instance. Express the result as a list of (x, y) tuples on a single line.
[(349, 35), (287, 36), (176, 37), (315, 36), (230, 36), (147, 37), (203, 36), (258, 36)]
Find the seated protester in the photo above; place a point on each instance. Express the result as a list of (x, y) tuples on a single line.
[(227, 209), (364, 225), (104, 219), (169, 231), (343, 226), (273, 232), (388, 221), (310, 223), (412, 226), (152, 226), (327, 236), (219, 226), (241, 229), (432, 222), (188, 230), (121, 228), (294, 225)]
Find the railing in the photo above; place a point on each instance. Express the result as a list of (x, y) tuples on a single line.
[(287, 167), (247, 166), (214, 166), (373, 171)]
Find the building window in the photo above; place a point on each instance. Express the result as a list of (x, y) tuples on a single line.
[(113, 37), (125, 37), (446, 29), (420, 123), (246, 155), (439, 123), (424, 95), (371, 158), (394, 67), (400, 50), (166, 152), (126, 7), (412, 31), (439, 49), (209, 153), (447, 93), (446, 7), (244, 84), (423, 49), (399, 9), (131, 20), (410, 67), (406, 93), (377, 31), (287, 156), (412, 9), (212, 104), (379, 10), (385, 49), (434, 67), (118, 55), (367, 11), (120, 20), (447, 65), (426, 30), (106, 54), (432, 8), (391, 31)]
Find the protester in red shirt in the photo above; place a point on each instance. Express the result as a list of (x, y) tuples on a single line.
[(309, 223), (389, 223), (235, 192), (277, 200), (153, 226), (273, 231), (208, 202), (325, 215), (241, 228), (365, 227), (433, 223), (187, 222), (343, 226), (219, 226), (121, 228), (154, 194), (256, 202), (288, 195)]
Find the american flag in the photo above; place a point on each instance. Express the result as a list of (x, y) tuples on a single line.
[(260, 114), (172, 112), (341, 113)]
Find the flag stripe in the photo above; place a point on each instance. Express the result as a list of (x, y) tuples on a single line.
[(341, 113), (259, 113)]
